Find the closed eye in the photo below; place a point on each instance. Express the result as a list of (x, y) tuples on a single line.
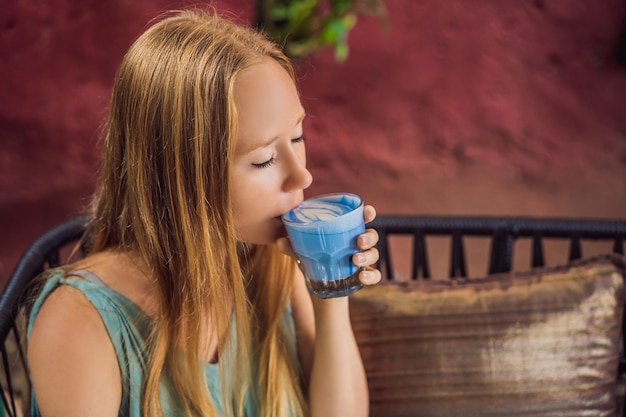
[(265, 164), (272, 160)]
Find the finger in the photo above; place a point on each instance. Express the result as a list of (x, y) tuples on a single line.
[(367, 239), (369, 213), (366, 258), (284, 246), (370, 276)]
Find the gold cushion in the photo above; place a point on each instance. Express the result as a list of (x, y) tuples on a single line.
[(543, 343)]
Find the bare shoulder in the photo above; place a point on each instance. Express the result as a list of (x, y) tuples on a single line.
[(72, 360)]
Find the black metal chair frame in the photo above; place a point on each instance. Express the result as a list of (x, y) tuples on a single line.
[(503, 232), (45, 253)]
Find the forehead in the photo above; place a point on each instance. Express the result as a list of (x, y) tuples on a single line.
[(267, 104)]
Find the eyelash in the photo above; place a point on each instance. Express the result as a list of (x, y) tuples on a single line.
[(265, 164), (272, 160)]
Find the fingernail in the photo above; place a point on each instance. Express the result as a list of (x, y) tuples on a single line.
[(366, 276), (360, 259), (365, 240)]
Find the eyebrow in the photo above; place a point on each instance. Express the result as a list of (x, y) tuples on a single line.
[(268, 142)]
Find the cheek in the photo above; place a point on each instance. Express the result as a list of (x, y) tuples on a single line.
[(249, 195), (240, 200)]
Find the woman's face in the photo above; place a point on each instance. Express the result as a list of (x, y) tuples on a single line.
[(268, 174)]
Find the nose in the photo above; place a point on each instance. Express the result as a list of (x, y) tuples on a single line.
[(298, 177)]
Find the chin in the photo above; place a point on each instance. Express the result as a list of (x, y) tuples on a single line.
[(264, 236)]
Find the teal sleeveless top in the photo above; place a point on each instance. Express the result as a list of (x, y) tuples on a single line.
[(128, 328)]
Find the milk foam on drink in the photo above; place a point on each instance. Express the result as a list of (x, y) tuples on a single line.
[(323, 233), (319, 210)]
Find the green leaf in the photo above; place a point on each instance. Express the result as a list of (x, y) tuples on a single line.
[(341, 51), (339, 7), (306, 26)]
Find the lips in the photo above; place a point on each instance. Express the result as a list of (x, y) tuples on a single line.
[(294, 207), (283, 231)]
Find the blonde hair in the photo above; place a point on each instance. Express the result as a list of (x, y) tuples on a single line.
[(164, 193)]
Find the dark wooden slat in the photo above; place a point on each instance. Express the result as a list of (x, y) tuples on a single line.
[(420, 257), (538, 259), (618, 247), (575, 250), (457, 256)]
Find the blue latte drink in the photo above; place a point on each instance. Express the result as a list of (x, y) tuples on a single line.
[(323, 233)]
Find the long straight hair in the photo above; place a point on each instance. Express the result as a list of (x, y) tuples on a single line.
[(164, 194)]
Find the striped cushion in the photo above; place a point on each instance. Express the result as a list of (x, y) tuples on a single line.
[(543, 343)]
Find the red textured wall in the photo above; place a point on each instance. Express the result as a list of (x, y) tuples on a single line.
[(463, 107)]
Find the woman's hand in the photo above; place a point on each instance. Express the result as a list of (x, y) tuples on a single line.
[(330, 360), (369, 254), (365, 259)]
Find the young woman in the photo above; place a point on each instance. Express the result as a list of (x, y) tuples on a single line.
[(187, 303)]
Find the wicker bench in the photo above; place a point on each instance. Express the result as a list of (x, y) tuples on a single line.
[(453, 346)]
